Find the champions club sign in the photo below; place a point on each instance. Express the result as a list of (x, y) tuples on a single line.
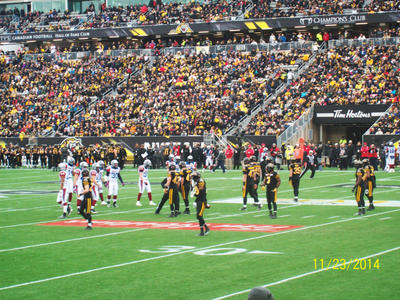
[(349, 114), (323, 20)]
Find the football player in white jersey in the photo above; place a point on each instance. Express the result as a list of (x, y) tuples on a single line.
[(100, 180), (144, 182), (62, 197), (78, 186), (170, 161), (391, 156), (113, 174), (95, 186), (190, 164), (209, 154), (69, 177)]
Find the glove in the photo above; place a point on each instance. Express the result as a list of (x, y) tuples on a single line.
[(263, 187), (274, 190), (208, 205), (194, 204), (75, 189), (145, 183)]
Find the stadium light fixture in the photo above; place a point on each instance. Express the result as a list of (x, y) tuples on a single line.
[(300, 26), (363, 23)]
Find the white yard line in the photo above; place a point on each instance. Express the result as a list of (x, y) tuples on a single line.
[(333, 217), (310, 273), (115, 233), (307, 217), (386, 218), (197, 249)]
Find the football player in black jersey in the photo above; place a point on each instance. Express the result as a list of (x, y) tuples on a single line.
[(370, 183), (185, 184), (359, 187), (165, 196), (248, 183), (173, 194), (85, 207), (294, 177), (272, 180), (200, 192), (256, 175)]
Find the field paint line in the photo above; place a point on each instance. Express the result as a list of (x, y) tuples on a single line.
[(100, 235), (72, 240), (213, 214), (98, 214), (284, 216), (146, 212), (188, 251), (333, 217), (385, 218), (25, 209), (257, 216), (306, 217), (310, 273)]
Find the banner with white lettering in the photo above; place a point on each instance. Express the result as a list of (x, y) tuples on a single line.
[(349, 114)]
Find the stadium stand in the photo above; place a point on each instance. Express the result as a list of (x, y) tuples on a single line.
[(342, 75), (390, 123), (185, 94)]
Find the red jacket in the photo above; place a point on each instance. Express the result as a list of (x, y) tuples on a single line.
[(229, 152), (364, 152), (249, 152)]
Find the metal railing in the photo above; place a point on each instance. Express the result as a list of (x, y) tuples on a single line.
[(296, 130), (238, 47), (81, 54), (381, 117), (244, 122), (364, 42)]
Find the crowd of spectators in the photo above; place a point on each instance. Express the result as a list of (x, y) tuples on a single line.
[(40, 94), (341, 76), (156, 12), (185, 94), (390, 123), (19, 21)]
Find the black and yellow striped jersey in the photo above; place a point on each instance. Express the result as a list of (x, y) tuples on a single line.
[(185, 174), (200, 190), (296, 169), (174, 177), (271, 180)]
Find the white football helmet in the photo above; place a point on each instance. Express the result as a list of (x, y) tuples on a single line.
[(101, 164), (62, 166), (83, 165), (190, 158), (96, 166), (114, 163), (147, 163), (71, 161)]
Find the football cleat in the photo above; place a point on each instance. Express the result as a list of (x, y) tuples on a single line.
[(104, 203), (243, 208), (177, 213), (157, 212), (151, 203), (69, 210), (201, 233), (93, 211), (172, 215), (88, 228), (186, 212), (115, 204), (138, 203), (207, 230), (63, 216)]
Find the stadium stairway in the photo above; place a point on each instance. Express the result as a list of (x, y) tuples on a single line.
[(244, 122)]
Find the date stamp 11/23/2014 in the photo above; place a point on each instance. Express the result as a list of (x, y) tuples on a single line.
[(358, 264)]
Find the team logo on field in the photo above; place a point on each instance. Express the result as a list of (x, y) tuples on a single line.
[(176, 225)]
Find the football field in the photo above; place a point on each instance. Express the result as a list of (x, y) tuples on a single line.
[(315, 249)]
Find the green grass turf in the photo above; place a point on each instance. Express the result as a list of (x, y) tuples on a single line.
[(329, 232)]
